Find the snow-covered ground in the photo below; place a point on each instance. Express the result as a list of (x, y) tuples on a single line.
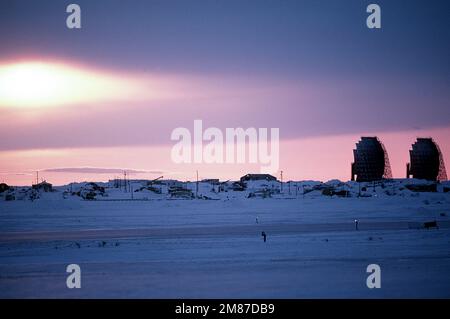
[(161, 246)]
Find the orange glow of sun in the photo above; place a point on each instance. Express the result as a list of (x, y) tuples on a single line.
[(41, 84)]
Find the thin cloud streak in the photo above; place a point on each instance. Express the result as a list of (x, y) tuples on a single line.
[(99, 170), (301, 108)]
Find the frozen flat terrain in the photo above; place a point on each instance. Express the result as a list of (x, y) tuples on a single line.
[(199, 248)]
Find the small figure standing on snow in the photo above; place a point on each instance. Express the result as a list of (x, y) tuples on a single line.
[(257, 219), (264, 236), (356, 224)]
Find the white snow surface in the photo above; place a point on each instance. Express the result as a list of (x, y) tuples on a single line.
[(152, 245)]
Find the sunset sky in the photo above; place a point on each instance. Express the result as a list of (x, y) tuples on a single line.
[(85, 104)]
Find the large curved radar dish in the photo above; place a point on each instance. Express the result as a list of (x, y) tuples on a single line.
[(371, 161), (426, 161)]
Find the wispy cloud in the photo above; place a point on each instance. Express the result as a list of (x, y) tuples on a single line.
[(16, 174), (98, 170)]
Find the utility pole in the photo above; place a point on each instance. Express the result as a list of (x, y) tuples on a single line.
[(196, 186), (281, 173), (125, 180)]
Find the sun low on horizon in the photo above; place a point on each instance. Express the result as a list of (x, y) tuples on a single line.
[(32, 84)]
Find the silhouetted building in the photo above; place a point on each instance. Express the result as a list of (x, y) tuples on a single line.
[(371, 161), (44, 186), (258, 177), (426, 161), (3, 187), (212, 181)]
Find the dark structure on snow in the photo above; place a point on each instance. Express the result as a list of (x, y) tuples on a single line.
[(44, 186), (426, 161), (258, 177), (4, 187), (371, 161), (212, 181)]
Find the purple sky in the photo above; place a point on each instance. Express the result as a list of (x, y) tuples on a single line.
[(311, 68)]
